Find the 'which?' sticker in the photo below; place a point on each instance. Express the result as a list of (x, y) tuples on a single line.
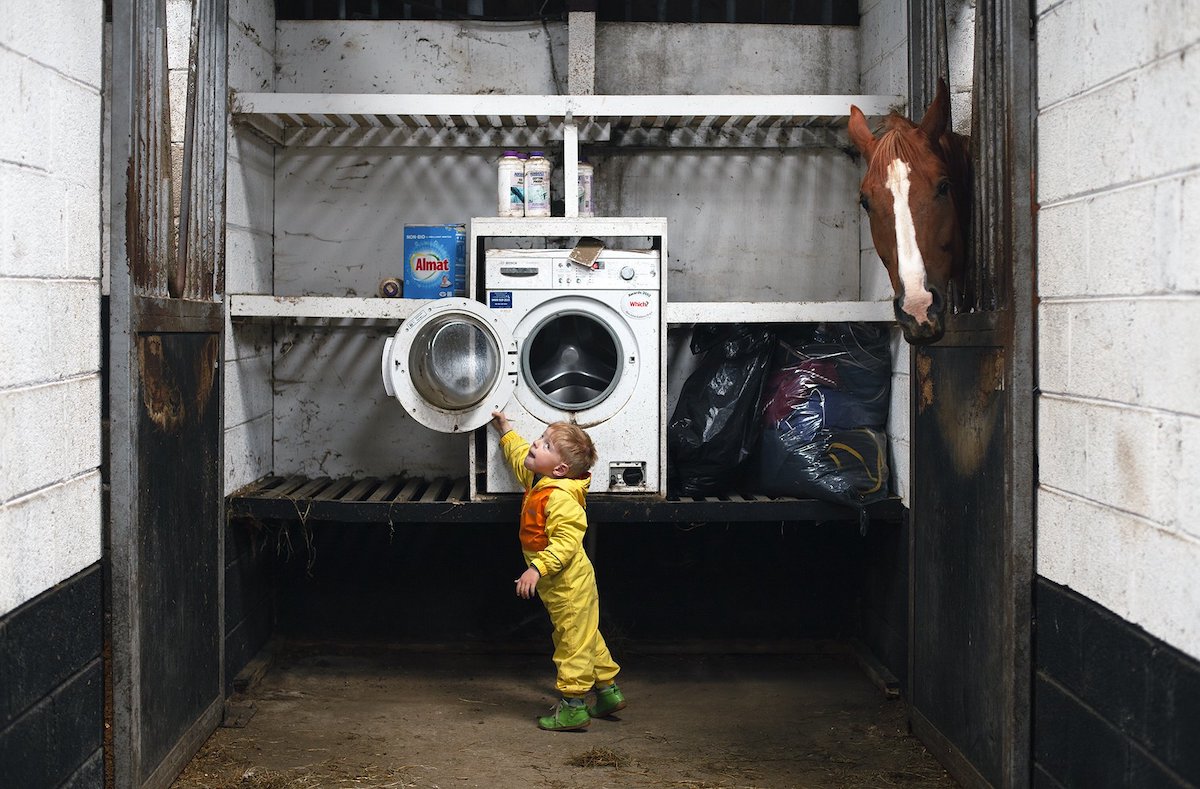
[(500, 299)]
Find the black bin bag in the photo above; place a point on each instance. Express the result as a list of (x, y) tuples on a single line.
[(824, 414), (714, 428)]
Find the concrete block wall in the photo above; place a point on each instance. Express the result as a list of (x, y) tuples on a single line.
[(1118, 183), (50, 332), (249, 251)]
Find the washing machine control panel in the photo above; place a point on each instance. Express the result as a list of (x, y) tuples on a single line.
[(617, 273), (552, 270)]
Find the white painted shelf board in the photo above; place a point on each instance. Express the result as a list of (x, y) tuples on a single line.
[(537, 227), (292, 118), (243, 305), (247, 305), (684, 312)]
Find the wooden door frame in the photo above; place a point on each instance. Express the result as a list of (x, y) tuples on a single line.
[(1002, 292)]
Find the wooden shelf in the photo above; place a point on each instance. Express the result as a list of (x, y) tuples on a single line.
[(398, 499)]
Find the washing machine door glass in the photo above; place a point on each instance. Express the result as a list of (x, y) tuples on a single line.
[(451, 364), (571, 361), (454, 363)]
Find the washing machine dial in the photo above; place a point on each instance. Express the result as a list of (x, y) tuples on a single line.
[(627, 273)]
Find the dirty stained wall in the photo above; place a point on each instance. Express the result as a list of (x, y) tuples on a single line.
[(883, 48), (744, 225), (249, 249)]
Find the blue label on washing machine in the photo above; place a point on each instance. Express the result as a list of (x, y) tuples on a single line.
[(500, 299)]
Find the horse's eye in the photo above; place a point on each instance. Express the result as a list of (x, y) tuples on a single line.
[(866, 204), (943, 187)]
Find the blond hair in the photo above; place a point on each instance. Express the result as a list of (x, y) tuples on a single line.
[(574, 445)]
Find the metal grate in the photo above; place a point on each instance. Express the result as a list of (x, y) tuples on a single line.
[(400, 499)]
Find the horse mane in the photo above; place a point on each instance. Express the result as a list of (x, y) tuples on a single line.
[(952, 148)]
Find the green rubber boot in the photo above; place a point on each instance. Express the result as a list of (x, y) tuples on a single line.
[(566, 717), (608, 701)]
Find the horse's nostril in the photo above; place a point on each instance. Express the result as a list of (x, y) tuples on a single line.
[(938, 302)]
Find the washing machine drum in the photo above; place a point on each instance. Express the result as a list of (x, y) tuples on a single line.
[(571, 361), (580, 361), (451, 364)]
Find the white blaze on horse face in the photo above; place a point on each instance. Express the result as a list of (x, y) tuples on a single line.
[(917, 299)]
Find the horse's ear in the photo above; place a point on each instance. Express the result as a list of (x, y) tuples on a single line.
[(860, 133), (933, 125)]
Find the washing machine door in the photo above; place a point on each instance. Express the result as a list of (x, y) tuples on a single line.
[(580, 360), (451, 364)]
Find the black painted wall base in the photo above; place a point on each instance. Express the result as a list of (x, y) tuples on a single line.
[(1113, 705), (249, 597), (710, 582), (52, 687), (883, 590)]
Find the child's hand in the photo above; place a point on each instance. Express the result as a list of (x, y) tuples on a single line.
[(500, 422), (527, 583)]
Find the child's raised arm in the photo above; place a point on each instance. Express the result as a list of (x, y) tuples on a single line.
[(500, 422)]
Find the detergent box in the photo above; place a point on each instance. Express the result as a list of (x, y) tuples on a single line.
[(435, 261)]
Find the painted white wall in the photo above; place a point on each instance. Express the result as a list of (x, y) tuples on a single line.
[(421, 57), (50, 446), (1118, 503), (748, 224), (338, 227), (883, 53), (249, 251), (697, 59)]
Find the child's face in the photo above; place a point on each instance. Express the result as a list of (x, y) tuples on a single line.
[(544, 458)]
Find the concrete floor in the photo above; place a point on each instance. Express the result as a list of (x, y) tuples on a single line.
[(368, 718)]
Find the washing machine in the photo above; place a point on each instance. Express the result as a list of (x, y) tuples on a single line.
[(550, 341)]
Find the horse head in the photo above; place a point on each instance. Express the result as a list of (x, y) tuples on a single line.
[(917, 193)]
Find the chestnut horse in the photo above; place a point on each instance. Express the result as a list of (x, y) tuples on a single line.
[(917, 195)]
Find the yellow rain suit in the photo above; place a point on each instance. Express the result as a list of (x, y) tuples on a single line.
[(553, 522)]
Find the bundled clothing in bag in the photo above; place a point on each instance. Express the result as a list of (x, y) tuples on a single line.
[(824, 415), (714, 427)]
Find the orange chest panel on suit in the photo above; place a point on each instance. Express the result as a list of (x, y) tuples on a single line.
[(533, 520)]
